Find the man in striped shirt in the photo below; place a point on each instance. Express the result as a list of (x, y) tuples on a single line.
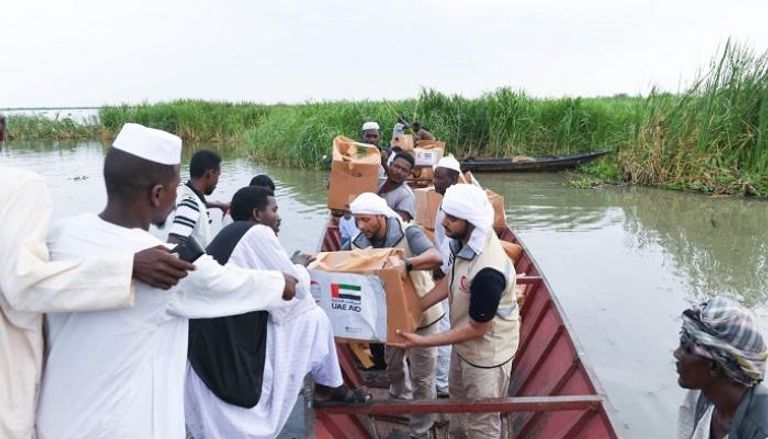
[(191, 215)]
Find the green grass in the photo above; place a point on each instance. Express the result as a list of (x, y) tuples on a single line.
[(712, 137)]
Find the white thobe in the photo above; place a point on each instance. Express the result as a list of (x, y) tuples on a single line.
[(299, 341), (120, 373), (30, 284)]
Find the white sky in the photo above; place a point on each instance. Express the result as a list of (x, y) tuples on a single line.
[(92, 52)]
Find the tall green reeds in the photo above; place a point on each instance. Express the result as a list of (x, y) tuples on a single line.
[(20, 127), (713, 137)]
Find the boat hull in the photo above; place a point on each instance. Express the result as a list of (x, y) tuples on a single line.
[(538, 164)]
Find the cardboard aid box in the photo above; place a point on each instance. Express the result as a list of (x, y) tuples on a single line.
[(404, 141), (428, 153), (367, 294), (354, 170), (427, 203), (499, 215)]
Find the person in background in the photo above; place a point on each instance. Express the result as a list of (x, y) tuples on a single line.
[(399, 128), (722, 361), (447, 173), (191, 215), (31, 284), (263, 180), (395, 189), (485, 322), (421, 133)]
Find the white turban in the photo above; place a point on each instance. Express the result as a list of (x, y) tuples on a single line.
[(470, 203), (369, 203), (148, 143), (371, 126), (449, 162)]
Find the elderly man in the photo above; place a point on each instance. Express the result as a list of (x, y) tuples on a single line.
[(485, 324), (395, 191), (30, 284), (722, 359), (120, 373), (447, 173), (381, 227)]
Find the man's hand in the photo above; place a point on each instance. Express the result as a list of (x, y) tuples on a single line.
[(290, 287), (300, 258), (412, 340), (158, 268), (224, 207)]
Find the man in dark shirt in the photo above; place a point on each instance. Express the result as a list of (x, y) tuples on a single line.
[(484, 317)]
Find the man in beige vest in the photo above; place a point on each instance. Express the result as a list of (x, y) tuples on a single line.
[(381, 227), (485, 324)]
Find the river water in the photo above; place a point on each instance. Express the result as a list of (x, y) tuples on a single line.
[(623, 262)]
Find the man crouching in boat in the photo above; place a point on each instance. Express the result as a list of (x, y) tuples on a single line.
[(485, 323), (382, 227), (245, 371)]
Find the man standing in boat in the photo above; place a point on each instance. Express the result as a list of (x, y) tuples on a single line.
[(395, 191), (485, 322), (381, 227), (447, 173), (191, 216)]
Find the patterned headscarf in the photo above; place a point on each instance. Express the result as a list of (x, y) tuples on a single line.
[(728, 334)]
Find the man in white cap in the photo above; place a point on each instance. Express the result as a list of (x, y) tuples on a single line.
[(485, 324), (381, 227), (30, 284), (120, 373), (447, 173)]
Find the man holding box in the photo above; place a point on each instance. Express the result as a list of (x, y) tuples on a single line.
[(381, 227), (485, 323)]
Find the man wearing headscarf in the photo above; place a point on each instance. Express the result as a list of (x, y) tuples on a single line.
[(381, 227), (485, 324), (447, 173), (722, 360)]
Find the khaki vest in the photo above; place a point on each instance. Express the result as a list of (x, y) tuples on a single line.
[(422, 279), (499, 344)]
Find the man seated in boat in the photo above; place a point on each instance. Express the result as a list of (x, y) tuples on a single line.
[(421, 133), (485, 323), (381, 227), (245, 372), (395, 190), (722, 360), (264, 181)]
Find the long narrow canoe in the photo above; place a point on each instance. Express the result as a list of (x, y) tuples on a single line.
[(535, 164), (553, 393)]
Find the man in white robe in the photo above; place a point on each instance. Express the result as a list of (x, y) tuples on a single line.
[(31, 284), (120, 373), (299, 338)]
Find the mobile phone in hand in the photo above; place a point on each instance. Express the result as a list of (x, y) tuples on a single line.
[(189, 250)]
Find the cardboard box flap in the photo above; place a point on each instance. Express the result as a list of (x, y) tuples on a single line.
[(430, 144), (347, 150), (357, 260)]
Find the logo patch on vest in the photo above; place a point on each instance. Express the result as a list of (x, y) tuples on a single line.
[(464, 284)]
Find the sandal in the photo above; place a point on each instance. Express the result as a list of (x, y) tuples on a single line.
[(343, 395)]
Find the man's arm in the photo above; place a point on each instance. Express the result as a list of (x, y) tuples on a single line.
[(485, 295), (185, 220), (31, 282), (437, 294), (427, 255)]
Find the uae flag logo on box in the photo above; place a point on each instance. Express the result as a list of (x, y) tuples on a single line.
[(345, 291)]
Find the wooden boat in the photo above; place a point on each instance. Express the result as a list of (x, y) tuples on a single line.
[(553, 393), (532, 164)]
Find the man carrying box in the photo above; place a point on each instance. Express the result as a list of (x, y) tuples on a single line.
[(381, 227), (485, 324)]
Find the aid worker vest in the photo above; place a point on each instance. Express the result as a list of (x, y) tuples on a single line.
[(497, 346), (422, 279)]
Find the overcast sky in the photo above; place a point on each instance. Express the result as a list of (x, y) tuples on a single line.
[(92, 52)]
